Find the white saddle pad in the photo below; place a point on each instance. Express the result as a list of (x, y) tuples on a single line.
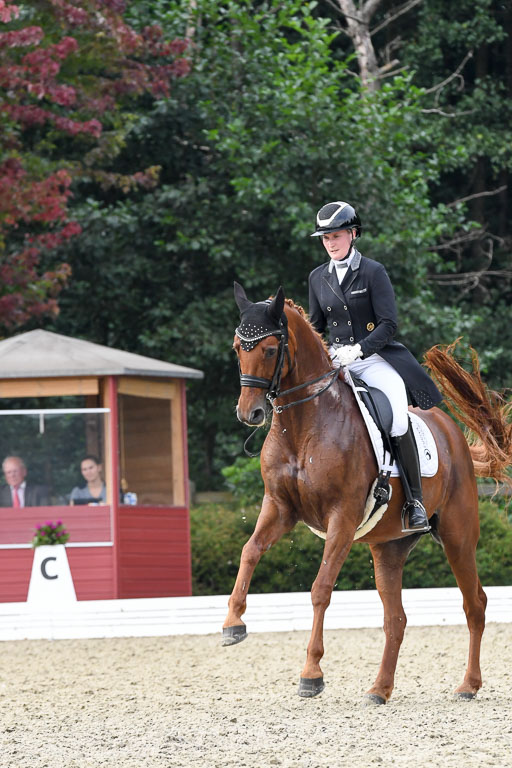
[(427, 448)]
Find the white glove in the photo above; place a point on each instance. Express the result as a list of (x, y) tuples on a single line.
[(346, 354)]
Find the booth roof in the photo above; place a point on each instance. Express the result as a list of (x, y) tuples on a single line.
[(40, 354)]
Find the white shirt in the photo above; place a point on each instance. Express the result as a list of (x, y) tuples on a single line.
[(341, 266)]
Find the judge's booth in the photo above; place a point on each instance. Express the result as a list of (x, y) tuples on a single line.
[(64, 399)]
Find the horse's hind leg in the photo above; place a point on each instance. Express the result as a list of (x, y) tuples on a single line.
[(269, 529), (389, 560), (459, 531)]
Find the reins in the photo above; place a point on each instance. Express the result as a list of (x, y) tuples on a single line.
[(281, 408)]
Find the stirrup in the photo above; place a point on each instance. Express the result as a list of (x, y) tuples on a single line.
[(423, 527)]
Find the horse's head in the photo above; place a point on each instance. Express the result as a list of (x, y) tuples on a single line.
[(261, 344)]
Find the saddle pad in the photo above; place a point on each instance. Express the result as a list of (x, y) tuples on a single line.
[(427, 448)]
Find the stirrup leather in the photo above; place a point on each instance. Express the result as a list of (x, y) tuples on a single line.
[(406, 509)]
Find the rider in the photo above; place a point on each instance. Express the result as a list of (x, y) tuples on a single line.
[(352, 298)]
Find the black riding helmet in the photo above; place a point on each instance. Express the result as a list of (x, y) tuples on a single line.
[(335, 216)]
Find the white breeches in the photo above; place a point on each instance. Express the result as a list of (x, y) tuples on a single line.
[(376, 372)]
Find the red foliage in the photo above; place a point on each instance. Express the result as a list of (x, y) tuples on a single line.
[(36, 93), (8, 11)]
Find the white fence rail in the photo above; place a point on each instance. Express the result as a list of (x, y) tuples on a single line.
[(265, 613)]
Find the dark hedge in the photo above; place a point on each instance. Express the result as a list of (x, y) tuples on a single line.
[(218, 533)]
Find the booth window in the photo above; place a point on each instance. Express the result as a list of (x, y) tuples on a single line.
[(52, 443)]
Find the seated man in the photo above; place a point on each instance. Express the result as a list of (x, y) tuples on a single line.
[(17, 492)]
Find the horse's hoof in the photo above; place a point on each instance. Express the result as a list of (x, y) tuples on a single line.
[(373, 700), (464, 695), (234, 635), (311, 686)]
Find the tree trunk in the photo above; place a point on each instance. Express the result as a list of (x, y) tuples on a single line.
[(358, 27)]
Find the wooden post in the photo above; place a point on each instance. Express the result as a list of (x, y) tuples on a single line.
[(184, 440), (112, 469)]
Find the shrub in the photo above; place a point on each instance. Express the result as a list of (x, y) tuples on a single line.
[(244, 479), (219, 532)]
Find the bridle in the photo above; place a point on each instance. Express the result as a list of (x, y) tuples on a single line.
[(273, 385)]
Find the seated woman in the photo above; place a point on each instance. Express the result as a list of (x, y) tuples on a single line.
[(95, 492)]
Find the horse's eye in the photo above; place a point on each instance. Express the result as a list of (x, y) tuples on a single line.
[(270, 352)]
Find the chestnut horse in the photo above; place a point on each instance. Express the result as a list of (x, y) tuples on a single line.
[(318, 466)]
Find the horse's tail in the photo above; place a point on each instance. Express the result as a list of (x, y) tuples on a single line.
[(485, 413)]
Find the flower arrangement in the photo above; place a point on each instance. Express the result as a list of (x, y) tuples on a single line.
[(50, 533)]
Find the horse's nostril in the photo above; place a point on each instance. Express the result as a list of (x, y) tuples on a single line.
[(257, 416)]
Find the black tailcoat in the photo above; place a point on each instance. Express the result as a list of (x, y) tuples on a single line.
[(363, 311)]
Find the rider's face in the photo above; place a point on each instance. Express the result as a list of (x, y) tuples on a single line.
[(337, 244)]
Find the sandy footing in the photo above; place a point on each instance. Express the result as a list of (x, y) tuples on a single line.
[(186, 701)]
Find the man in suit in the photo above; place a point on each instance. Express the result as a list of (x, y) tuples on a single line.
[(18, 493), (352, 299)]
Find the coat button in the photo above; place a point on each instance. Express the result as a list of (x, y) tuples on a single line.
[(328, 309), (345, 307), (335, 323), (349, 323), (351, 338), (337, 338)]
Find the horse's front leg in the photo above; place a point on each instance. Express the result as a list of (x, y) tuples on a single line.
[(271, 525), (337, 546)]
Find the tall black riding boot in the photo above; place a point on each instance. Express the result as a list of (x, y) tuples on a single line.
[(406, 455)]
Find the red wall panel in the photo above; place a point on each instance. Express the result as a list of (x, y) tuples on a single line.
[(154, 552), (92, 570), (83, 523), (15, 568)]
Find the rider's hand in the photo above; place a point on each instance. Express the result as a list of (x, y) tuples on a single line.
[(346, 354)]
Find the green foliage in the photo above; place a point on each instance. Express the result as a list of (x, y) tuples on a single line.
[(219, 532), (268, 125), (244, 479)]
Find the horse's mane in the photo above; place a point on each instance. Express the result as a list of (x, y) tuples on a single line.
[(302, 312), (298, 307)]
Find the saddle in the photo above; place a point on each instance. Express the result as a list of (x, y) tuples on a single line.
[(379, 408)]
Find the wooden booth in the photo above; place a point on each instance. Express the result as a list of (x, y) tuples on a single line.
[(62, 399)]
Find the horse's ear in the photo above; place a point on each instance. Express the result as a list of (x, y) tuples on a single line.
[(277, 305), (241, 299)]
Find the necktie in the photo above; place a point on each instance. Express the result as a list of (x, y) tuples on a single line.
[(15, 498)]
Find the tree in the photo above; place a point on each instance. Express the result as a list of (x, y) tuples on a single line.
[(240, 182), (461, 58), (68, 72)]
